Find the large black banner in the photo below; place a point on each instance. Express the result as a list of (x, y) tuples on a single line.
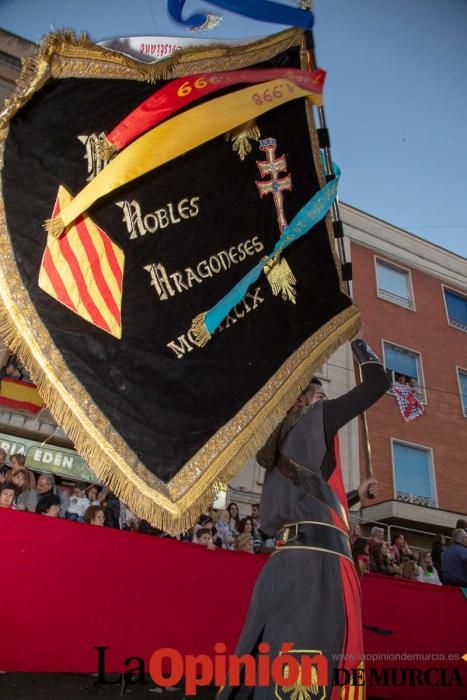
[(160, 419)]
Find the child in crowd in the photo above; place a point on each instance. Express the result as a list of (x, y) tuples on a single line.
[(203, 536), (79, 503)]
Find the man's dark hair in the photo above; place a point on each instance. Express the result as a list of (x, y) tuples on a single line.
[(46, 501), (315, 380), (395, 536), (461, 524), (8, 486), (4, 469)]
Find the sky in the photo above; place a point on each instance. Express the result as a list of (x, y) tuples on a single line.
[(395, 96)]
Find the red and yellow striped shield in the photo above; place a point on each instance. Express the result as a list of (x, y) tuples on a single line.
[(83, 269)]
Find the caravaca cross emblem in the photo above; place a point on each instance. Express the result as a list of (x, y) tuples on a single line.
[(278, 272)]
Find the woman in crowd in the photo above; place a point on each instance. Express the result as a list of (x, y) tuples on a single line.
[(18, 462), (94, 515), (410, 570), (26, 497), (355, 532), (234, 518), (95, 496), (381, 560), (360, 555), (246, 532), (428, 572)]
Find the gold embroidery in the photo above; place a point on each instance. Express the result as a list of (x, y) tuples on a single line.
[(173, 506), (240, 137), (94, 154), (278, 272), (297, 690), (281, 278)]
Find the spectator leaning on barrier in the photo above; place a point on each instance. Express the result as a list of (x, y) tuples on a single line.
[(454, 562)]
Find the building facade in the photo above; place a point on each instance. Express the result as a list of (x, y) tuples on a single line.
[(412, 296)]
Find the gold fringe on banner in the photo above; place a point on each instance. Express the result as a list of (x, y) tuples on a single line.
[(174, 506)]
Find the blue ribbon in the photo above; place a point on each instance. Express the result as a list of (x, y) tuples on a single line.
[(262, 10), (308, 216)]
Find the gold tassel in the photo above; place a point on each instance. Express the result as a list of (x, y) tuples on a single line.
[(105, 150), (55, 226), (199, 330)]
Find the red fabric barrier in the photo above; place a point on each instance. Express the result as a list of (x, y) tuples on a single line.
[(69, 587)]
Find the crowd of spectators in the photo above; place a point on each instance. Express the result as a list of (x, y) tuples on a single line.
[(225, 529), (96, 505), (442, 565)]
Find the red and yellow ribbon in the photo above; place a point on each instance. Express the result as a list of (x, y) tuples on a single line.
[(179, 93), (177, 136)]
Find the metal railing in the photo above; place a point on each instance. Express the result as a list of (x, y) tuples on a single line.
[(356, 517)]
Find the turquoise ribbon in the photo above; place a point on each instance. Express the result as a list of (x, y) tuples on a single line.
[(262, 10), (308, 216)]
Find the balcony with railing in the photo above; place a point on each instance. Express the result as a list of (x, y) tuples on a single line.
[(415, 500)]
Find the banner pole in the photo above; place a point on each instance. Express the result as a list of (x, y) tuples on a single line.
[(325, 145)]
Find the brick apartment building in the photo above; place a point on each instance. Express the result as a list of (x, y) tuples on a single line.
[(412, 296)]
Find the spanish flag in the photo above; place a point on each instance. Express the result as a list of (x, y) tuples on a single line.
[(83, 269), (20, 395)]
